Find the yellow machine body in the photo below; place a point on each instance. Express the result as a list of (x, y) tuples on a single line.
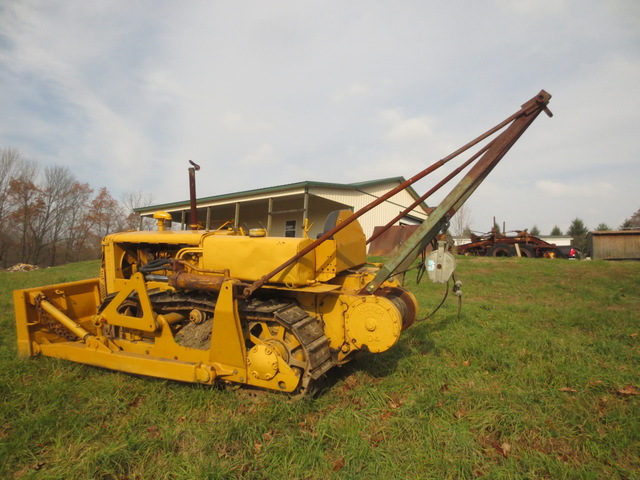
[(258, 311), (186, 320)]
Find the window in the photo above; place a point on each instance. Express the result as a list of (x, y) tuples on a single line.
[(290, 228)]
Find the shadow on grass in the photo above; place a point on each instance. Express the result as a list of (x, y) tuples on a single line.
[(415, 341), (437, 323)]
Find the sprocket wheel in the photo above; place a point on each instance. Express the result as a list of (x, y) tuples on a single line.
[(297, 339), (282, 340)]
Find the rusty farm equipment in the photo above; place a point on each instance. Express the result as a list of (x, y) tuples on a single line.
[(519, 243), (251, 310)]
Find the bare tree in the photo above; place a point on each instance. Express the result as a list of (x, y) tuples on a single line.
[(26, 204), (10, 160), (103, 216), (58, 197), (76, 229), (94, 218), (47, 215), (461, 221), (133, 200), (633, 222)]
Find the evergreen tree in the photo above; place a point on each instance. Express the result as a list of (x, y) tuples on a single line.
[(578, 232), (556, 232), (603, 227), (535, 231)]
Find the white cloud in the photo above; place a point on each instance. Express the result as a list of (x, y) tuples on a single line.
[(402, 129), (539, 8), (264, 156), (162, 86), (238, 122), (354, 90), (125, 93), (558, 189)]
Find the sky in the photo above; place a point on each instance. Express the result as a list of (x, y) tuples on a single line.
[(269, 93)]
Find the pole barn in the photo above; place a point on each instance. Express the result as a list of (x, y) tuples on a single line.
[(614, 245)]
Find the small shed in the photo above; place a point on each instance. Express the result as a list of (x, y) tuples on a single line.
[(614, 245)]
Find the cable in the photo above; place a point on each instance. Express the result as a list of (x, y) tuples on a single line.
[(420, 272), (446, 294), (155, 265), (456, 290)]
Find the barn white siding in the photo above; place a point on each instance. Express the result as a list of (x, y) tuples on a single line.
[(276, 207), (380, 215)]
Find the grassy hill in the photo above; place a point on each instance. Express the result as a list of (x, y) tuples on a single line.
[(537, 377)]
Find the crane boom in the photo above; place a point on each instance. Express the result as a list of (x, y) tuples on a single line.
[(514, 126), (439, 218)]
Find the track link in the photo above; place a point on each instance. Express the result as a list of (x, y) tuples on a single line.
[(308, 332), (304, 327)]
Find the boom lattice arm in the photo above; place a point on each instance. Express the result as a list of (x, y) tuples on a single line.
[(514, 126), (438, 219)]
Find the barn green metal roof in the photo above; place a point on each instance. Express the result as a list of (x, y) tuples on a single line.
[(274, 189)]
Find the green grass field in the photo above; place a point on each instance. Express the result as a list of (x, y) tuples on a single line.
[(539, 377)]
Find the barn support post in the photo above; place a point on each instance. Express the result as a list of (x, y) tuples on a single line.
[(269, 215)]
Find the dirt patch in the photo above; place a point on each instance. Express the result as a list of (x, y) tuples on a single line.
[(195, 335)]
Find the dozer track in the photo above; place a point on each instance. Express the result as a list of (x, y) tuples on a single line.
[(280, 324), (306, 329)]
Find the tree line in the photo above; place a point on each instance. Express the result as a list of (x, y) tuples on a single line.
[(48, 217), (578, 226), (578, 230)]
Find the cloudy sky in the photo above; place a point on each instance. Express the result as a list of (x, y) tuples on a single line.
[(263, 93)]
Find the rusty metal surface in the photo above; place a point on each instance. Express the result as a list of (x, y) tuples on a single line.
[(193, 216), (438, 220), (196, 281), (435, 188), (386, 240), (514, 126), (480, 245)]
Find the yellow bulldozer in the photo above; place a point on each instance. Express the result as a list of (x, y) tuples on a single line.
[(251, 310)]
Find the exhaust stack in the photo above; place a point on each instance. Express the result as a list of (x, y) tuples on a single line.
[(193, 217)]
